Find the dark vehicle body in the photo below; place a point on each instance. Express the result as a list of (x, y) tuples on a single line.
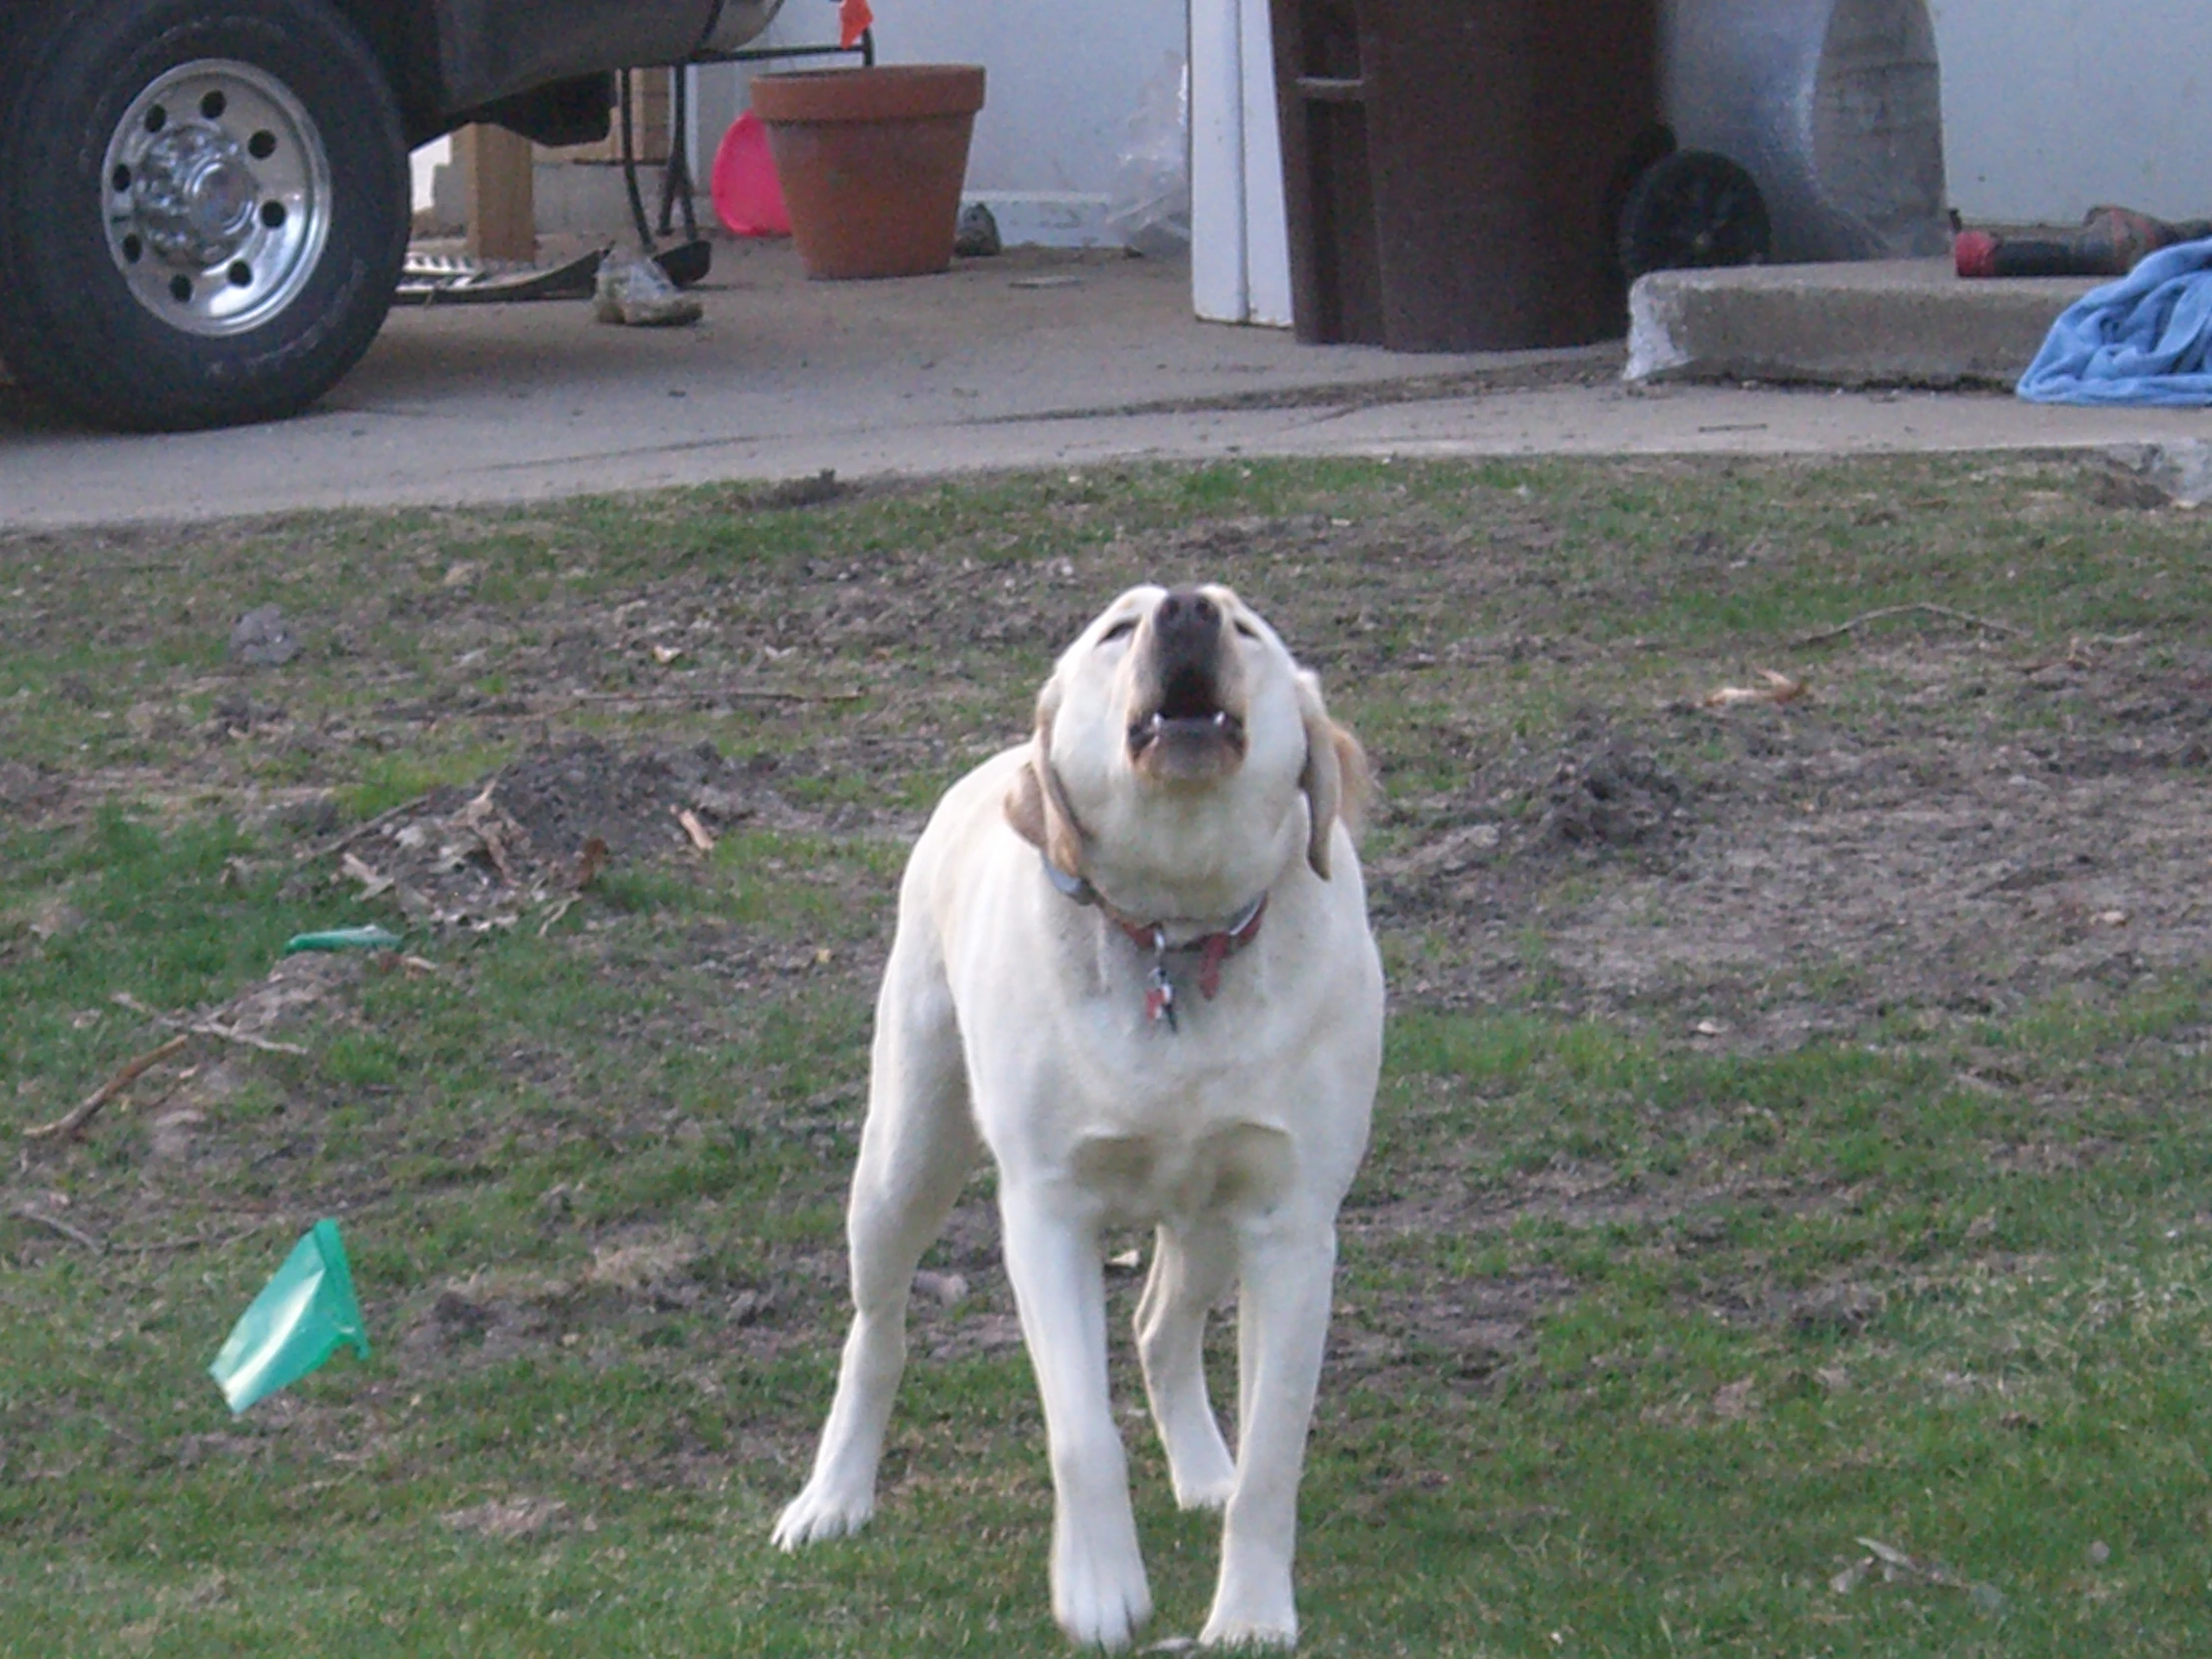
[(204, 204)]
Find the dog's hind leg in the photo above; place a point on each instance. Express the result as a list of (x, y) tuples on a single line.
[(917, 1149), (1192, 1269), (1282, 1325)]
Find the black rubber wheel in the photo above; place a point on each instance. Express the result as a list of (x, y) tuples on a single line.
[(203, 208), (1692, 209)]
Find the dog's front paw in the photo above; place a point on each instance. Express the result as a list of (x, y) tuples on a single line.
[(1243, 1633), (821, 1511), (1099, 1593), (1249, 1614)]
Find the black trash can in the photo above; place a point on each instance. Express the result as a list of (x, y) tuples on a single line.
[(1454, 169)]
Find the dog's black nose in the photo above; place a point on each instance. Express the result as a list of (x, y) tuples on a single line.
[(1187, 622)]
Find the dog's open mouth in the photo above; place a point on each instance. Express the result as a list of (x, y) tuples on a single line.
[(1189, 721)]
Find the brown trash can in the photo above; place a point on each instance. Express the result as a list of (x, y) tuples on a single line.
[(1452, 169)]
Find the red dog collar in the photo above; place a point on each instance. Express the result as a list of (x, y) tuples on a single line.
[(1212, 949)]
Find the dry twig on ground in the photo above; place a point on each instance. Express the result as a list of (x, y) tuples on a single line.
[(83, 1112), (206, 1027), (1920, 606), (75, 1235), (323, 849)]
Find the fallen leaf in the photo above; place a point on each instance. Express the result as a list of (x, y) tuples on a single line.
[(356, 870), (1779, 688), (1735, 1401), (667, 653), (591, 858), (493, 828), (1888, 1555), (701, 836), (2110, 918)]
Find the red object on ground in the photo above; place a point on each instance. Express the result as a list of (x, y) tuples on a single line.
[(748, 199), (1975, 253), (2111, 242)]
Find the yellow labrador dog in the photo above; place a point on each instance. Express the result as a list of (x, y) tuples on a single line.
[(1133, 964)]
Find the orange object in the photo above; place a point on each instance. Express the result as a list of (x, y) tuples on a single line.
[(854, 20), (871, 161), (748, 199)]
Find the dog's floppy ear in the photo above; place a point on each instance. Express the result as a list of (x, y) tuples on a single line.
[(1336, 778), (1036, 806)]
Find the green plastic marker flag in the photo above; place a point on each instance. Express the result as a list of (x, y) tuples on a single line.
[(298, 1321)]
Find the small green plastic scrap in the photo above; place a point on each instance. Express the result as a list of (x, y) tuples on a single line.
[(370, 937), (302, 1315)]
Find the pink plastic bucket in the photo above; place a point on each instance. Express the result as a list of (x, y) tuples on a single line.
[(747, 198)]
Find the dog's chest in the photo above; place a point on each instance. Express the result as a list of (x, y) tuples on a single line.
[(1137, 1176)]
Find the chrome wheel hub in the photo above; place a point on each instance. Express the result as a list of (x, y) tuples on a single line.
[(218, 196)]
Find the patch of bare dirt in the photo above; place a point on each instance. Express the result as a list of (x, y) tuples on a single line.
[(1463, 1330), (1821, 873), (511, 1519), (28, 793), (542, 827)]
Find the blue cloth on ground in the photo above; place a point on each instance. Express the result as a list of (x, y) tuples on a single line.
[(2146, 339)]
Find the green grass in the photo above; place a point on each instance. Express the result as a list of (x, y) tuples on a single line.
[(1640, 1332)]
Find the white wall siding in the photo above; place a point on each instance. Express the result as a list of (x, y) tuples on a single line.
[(2053, 105)]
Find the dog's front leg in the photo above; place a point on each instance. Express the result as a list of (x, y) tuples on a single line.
[(1099, 1593), (917, 1149), (1282, 1325)]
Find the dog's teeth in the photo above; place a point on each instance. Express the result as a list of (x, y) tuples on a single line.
[(1221, 719), (1159, 721)]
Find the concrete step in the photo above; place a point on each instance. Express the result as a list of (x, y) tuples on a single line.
[(1874, 323)]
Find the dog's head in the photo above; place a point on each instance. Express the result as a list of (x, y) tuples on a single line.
[(1175, 743)]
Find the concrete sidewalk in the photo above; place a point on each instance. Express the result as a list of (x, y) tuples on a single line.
[(1038, 358)]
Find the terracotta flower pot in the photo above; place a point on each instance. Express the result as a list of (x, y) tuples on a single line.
[(871, 161)]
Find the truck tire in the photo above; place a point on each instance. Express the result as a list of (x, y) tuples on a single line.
[(203, 208)]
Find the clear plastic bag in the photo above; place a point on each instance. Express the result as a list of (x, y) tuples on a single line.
[(1150, 209)]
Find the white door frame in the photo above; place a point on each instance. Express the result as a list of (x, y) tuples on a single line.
[(1240, 242)]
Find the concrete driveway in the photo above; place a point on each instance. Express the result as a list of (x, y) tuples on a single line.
[(1037, 357)]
